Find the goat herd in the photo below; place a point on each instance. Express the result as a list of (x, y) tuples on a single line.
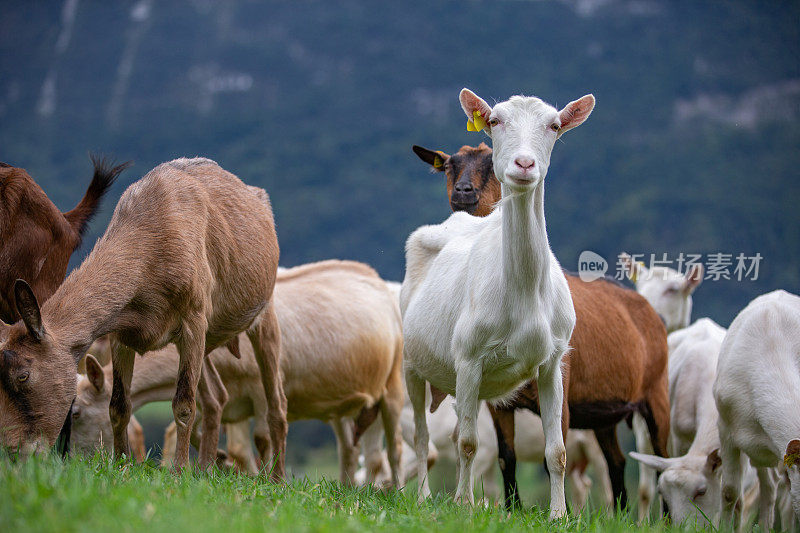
[(187, 273)]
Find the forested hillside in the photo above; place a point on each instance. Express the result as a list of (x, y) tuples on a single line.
[(693, 145)]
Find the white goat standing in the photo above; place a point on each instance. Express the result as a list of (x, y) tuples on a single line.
[(485, 303), (757, 392)]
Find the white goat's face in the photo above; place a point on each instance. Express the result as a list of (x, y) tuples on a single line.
[(666, 289), (690, 491), (91, 423), (689, 485), (670, 294), (524, 131)]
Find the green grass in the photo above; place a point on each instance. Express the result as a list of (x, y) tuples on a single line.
[(47, 494)]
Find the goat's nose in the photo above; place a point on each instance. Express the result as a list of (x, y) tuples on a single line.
[(525, 163), (463, 187)]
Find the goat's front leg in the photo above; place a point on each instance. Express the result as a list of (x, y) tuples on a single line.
[(647, 476), (212, 397), (119, 409), (767, 486), (731, 485), (551, 401), (265, 336), (416, 393), (191, 348), (468, 384)]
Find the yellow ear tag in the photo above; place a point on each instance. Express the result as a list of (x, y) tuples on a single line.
[(476, 123), (437, 162), (477, 118)]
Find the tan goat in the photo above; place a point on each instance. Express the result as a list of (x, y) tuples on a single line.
[(189, 257), (341, 351)]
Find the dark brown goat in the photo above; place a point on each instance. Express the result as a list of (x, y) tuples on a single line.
[(471, 185), (617, 365), (190, 257), (36, 239)]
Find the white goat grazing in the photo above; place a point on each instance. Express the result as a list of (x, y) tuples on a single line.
[(670, 294), (485, 302), (757, 392), (690, 483)]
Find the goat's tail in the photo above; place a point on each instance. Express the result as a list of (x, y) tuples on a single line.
[(105, 173)]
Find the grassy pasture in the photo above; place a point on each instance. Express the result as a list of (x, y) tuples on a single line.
[(47, 494)]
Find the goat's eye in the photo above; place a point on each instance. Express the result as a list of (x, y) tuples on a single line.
[(75, 413), (700, 492), (493, 122), (671, 290), (22, 378), (554, 127)]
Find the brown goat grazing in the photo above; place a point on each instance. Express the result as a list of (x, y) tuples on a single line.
[(36, 239), (617, 364), (342, 346), (471, 185), (190, 256)]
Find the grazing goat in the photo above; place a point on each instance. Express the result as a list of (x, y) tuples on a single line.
[(341, 344), (689, 482), (757, 392), (476, 329), (670, 294), (36, 239), (189, 257), (638, 352)]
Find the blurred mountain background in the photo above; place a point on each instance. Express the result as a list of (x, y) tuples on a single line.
[(693, 145)]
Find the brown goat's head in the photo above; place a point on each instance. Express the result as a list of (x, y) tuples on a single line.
[(37, 380), (471, 184)]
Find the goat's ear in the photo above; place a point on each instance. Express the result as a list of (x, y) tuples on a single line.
[(471, 102), (28, 309), (635, 269), (653, 461), (694, 276), (94, 372), (792, 457), (575, 113), (436, 159), (713, 461), (233, 346)]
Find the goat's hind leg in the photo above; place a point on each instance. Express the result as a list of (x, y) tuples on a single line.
[(265, 337), (191, 349), (504, 428), (119, 409), (551, 402), (416, 393), (212, 397)]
